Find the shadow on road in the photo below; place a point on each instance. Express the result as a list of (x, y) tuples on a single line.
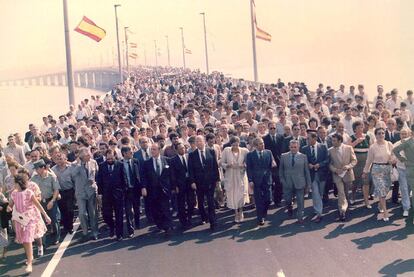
[(398, 267)]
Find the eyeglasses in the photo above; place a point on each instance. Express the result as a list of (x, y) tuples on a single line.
[(380, 133), (272, 128)]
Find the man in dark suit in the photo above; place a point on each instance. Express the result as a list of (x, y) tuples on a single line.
[(295, 136), (142, 155), (182, 183), (274, 142), (295, 177), (132, 173), (318, 160), (392, 135), (112, 185), (259, 165), (156, 186), (204, 175)]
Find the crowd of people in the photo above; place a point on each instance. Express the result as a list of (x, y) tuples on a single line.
[(178, 143)]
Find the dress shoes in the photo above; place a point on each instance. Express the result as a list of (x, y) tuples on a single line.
[(111, 233), (261, 222), (318, 219), (131, 235), (212, 227), (290, 211), (119, 238)]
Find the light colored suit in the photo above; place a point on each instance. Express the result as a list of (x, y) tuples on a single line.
[(86, 192), (408, 148), (294, 179), (297, 176), (347, 160)]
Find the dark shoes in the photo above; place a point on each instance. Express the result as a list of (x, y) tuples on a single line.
[(290, 210), (261, 222), (111, 233), (318, 219)]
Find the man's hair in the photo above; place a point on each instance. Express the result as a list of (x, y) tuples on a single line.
[(339, 137), (125, 149)]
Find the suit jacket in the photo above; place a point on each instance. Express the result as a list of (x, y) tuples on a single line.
[(348, 160), (408, 148), (136, 173), (179, 173), (327, 143), (322, 158), (140, 156), (152, 182), (205, 175), (274, 147), (108, 181), (395, 138), (259, 171), (85, 183), (296, 176), (286, 141)]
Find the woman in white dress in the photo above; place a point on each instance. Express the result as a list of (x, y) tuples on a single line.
[(233, 161)]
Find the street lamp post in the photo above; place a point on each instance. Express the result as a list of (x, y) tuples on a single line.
[(205, 40), (126, 49), (183, 45), (117, 42), (156, 54), (168, 51)]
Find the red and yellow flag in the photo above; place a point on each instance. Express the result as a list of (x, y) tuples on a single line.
[(88, 28), (260, 34)]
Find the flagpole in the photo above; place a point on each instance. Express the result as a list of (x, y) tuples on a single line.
[(256, 78), (205, 40), (182, 41), (168, 51), (126, 49), (155, 48), (69, 74), (117, 42)]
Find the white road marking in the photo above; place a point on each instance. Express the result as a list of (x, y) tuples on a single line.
[(61, 250)]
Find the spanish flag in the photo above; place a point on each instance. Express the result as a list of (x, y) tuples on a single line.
[(260, 34), (90, 29)]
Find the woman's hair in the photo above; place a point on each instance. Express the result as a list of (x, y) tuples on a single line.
[(378, 129), (20, 180), (234, 139), (356, 124)]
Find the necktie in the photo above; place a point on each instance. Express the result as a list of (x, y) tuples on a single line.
[(184, 163), (260, 155), (146, 155), (203, 158), (274, 139), (86, 170), (313, 157), (392, 136), (111, 168), (131, 172), (293, 159), (157, 164)]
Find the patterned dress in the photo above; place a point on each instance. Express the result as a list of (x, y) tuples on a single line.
[(36, 228)]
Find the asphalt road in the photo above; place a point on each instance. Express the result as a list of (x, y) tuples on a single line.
[(362, 246)]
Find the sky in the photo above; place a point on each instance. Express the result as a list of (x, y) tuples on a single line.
[(329, 41)]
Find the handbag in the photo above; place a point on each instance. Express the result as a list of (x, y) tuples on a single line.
[(4, 242), (22, 218)]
